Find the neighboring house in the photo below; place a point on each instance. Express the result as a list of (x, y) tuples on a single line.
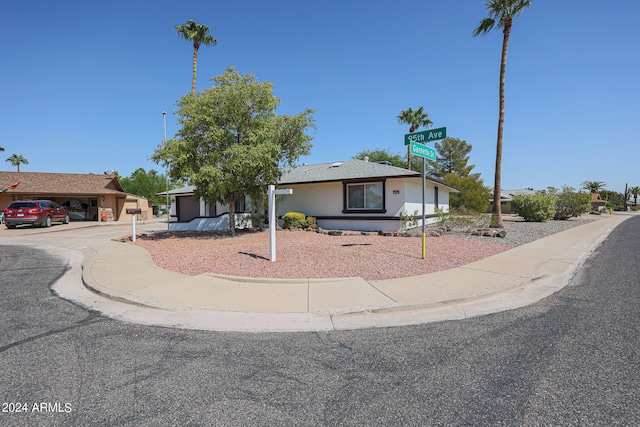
[(350, 195), (88, 197), (597, 204), (361, 195), (506, 199)]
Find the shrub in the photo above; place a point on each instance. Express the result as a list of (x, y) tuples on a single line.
[(311, 222), (570, 203), (539, 207), (408, 220), (294, 220)]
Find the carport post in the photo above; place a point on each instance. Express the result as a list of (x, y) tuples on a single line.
[(271, 195)]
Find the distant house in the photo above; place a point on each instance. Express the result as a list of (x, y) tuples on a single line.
[(597, 204), (353, 195), (88, 197), (506, 199)]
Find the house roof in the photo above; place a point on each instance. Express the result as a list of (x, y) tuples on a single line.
[(595, 199), (349, 169), (43, 183), (508, 194), (337, 171), (183, 191)]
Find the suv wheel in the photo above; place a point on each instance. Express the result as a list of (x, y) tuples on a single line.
[(47, 221)]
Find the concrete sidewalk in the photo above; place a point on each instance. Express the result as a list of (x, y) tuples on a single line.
[(126, 273)]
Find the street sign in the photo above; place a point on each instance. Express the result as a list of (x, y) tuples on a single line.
[(421, 150), (426, 135)]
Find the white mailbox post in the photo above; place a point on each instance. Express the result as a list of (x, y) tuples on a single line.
[(272, 193), (133, 213)]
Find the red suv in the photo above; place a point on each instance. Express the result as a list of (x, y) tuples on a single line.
[(35, 212)]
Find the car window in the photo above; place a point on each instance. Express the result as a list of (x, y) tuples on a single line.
[(54, 205), (17, 205)]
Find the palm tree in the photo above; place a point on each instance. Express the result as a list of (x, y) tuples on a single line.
[(1, 149), (17, 160), (593, 186), (199, 34), (501, 14), (635, 191), (415, 118)]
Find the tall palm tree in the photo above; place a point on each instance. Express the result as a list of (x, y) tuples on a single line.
[(501, 14), (199, 34), (415, 118), (1, 149), (17, 160), (593, 186), (635, 191)]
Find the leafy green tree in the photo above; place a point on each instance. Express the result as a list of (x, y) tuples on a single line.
[(570, 203), (199, 35), (593, 186), (146, 184), (616, 201), (17, 160), (501, 14), (381, 155), (416, 119), (453, 156), (474, 195), (634, 191), (539, 207), (232, 142)]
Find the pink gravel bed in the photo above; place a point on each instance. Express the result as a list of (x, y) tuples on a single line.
[(303, 254)]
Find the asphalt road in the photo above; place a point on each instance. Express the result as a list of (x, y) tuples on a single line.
[(570, 359)]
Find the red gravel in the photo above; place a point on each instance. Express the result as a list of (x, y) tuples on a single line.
[(304, 254)]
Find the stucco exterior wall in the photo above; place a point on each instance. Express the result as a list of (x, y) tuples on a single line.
[(326, 200)]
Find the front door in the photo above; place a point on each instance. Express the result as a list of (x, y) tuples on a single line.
[(92, 211)]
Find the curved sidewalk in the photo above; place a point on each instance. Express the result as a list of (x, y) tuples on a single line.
[(505, 281)]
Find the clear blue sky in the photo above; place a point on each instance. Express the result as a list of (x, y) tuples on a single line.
[(84, 83)]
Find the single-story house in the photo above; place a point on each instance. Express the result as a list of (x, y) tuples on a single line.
[(597, 204), (362, 195), (88, 197), (349, 195), (506, 199)]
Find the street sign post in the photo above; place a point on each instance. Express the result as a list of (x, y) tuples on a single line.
[(416, 143), (418, 149), (426, 135)]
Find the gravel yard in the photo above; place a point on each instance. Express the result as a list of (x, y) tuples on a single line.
[(307, 254)]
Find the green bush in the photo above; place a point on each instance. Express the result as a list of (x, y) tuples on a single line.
[(311, 222), (539, 207), (569, 203), (293, 220)]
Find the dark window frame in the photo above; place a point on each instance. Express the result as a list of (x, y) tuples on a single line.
[(345, 201)]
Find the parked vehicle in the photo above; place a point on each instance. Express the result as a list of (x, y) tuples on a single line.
[(35, 212)]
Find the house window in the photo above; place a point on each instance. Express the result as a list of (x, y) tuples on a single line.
[(364, 197), (435, 198), (240, 204)]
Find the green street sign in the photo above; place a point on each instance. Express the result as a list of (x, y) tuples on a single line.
[(421, 150), (426, 135)]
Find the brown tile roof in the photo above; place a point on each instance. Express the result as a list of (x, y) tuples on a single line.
[(60, 183)]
